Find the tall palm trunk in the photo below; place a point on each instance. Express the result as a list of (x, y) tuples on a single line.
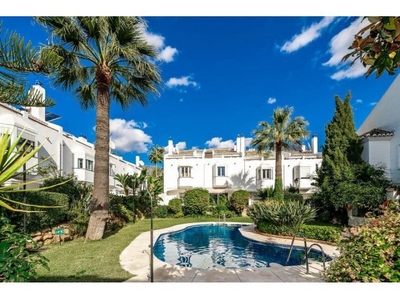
[(278, 191), (100, 202)]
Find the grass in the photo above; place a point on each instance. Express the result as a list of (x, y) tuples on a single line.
[(98, 261)]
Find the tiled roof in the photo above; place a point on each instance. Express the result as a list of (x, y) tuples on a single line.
[(377, 133)]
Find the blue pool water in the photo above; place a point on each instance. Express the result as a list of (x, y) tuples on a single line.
[(213, 246)]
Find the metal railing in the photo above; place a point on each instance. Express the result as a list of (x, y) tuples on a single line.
[(306, 250)]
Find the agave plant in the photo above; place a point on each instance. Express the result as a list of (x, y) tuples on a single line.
[(13, 156)]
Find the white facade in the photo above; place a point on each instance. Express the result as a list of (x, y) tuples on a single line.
[(222, 171), (71, 155), (379, 135)]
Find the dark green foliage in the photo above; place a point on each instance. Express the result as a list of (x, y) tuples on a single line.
[(316, 232), (79, 215), (286, 216), (371, 253), (239, 200), (175, 207), (118, 209), (161, 211), (265, 193), (19, 258), (196, 202), (72, 188), (344, 180), (37, 221), (292, 196)]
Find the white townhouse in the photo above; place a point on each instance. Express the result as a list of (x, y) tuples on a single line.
[(379, 132), (71, 155), (223, 171)]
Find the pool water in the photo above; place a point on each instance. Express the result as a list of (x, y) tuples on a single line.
[(223, 246)]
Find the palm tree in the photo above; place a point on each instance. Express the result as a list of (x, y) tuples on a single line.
[(283, 132), (101, 59), (125, 180), (17, 59), (156, 155)]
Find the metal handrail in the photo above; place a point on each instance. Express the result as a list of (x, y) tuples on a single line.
[(305, 249), (322, 250)]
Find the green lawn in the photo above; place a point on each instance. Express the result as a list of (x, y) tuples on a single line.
[(98, 261)]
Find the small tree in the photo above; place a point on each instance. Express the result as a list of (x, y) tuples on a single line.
[(239, 200), (196, 202)]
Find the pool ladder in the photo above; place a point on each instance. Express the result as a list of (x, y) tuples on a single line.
[(306, 250)]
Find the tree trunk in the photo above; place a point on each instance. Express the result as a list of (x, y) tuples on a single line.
[(278, 190), (100, 200)]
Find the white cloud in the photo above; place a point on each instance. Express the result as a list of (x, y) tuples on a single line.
[(271, 100), (306, 36), (339, 45), (248, 141), (165, 53), (216, 142), (358, 101), (128, 136), (181, 145), (185, 81), (373, 103)]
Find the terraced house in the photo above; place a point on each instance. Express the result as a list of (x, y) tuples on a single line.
[(222, 171), (69, 154)]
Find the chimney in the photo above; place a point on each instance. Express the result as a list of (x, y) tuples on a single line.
[(303, 148), (240, 146), (170, 146), (137, 161), (314, 144), (38, 112)]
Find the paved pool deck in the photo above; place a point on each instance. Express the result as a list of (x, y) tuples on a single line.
[(135, 259)]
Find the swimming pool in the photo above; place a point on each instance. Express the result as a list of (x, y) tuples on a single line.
[(223, 246)]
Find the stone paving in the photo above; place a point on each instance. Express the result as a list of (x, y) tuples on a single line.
[(135, 259)]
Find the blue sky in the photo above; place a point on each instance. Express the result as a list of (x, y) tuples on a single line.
[(225, 74)]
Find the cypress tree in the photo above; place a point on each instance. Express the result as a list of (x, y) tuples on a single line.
[(340, 153)]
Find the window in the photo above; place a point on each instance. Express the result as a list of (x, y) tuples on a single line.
[(112, 170), (80, 163), (185, 171), (29, 145), (264, 173), (301, 172), (220, 171), (89, 165)]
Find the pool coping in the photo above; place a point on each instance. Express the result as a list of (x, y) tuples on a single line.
[(135, 259)]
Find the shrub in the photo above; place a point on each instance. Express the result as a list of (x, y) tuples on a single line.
[(46, 219), (175, 207), (371, 254), (119, 210), (265, 193), (196, 202), (79, 215), (327, 233), (19, 258), (286, 216), (239, 201), (161, 211), (292, 196)]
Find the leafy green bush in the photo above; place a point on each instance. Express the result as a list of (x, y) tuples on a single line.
[(161, 211), (327, 233), (196, 202), (278, 190), (292, 196), (286, 216), (175, 207), (46, 219), (239, 201), (19, 258), (79, 215), (119, 210), (371, 253), (265, 193)]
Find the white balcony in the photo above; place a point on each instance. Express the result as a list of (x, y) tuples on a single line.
[(220, 182), (185, 182)]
